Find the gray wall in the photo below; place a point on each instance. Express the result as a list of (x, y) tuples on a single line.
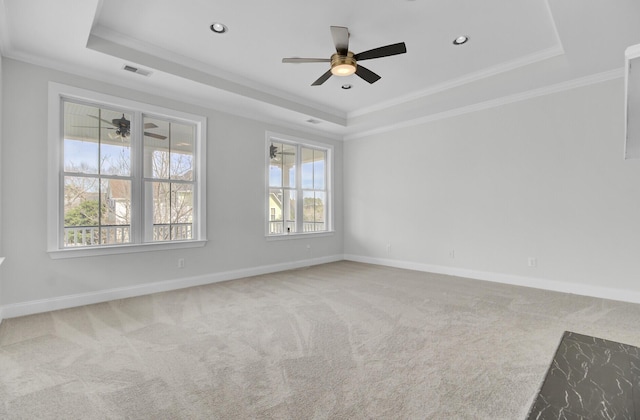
[(538, 178), (1, 197), (542, 178), (236, 188)]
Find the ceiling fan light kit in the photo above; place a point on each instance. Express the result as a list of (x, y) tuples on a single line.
[(344, 62), (343, 65)]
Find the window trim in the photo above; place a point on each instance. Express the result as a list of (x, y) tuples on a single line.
[(60, 92), (270, 137)]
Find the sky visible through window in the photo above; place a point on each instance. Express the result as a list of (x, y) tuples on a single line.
[(79, 153)]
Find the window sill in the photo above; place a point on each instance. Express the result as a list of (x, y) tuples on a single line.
[(308, 235), (122, 249)]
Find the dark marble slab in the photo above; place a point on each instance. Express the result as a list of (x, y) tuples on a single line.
[(590, 378)]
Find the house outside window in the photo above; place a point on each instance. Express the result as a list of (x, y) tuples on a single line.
[(124, 176), (298, 188)]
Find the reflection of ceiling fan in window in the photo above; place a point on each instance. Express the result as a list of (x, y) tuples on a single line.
[(123, 127), (273, 152)]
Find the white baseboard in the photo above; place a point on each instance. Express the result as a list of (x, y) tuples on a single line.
[(1, 313), (81, 299), (70, 301), (533, 282)]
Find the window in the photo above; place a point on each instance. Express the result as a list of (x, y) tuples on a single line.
[(298, 190), (124, 176)]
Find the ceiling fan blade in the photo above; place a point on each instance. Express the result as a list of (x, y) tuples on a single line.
[(386, 51), (367, 74), (93, 126), (146, 125), (155, 136), (340, 36), (100, 119), (306, 60), (322, 78)]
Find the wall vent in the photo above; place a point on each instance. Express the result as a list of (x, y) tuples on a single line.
[(136, 70)]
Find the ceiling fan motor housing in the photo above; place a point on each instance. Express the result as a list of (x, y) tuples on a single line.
[(344, 62), (343, 65)]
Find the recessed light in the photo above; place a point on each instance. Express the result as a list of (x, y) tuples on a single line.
[(346, 87), (460, 40), (218, 27)]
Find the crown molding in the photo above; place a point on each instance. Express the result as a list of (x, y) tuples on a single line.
[(134, 84), (530, 94), (338, 133), (470, 78), (553, 25), (541, 55), (118, 45)]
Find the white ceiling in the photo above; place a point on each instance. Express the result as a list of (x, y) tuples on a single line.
[(516, 48)]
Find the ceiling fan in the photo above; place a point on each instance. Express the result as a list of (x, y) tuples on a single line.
[(273, 152), (345, 62), (123, 127)]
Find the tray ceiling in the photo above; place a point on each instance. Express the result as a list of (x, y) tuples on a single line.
[(515, 46)]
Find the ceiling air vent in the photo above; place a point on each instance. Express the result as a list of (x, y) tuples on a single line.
[(136, 70)]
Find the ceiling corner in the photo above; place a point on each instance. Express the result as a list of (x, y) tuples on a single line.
[(5, 41), (96, 17), (555, 27)]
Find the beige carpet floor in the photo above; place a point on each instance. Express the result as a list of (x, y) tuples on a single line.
[(340, 341)]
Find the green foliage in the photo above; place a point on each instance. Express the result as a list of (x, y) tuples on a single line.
[(313, 209), (85, 214)]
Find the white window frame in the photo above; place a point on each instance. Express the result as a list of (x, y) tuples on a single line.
[(283, 138), (55, 204)]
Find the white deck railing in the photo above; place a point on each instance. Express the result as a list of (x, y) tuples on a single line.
[(121, 234), (278, 227)]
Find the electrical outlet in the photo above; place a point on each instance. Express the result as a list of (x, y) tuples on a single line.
[(452, 254), (180, 262), (388, 248), (532, 262)]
